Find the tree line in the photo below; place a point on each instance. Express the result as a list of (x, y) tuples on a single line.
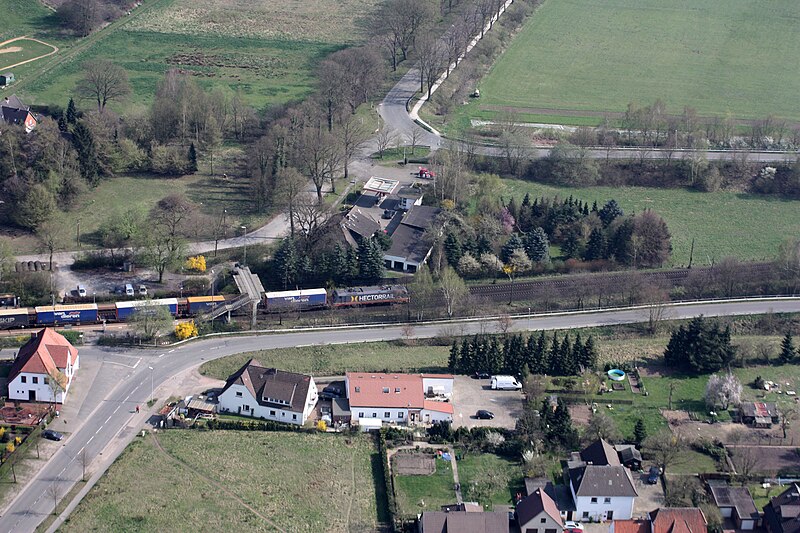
[(517, 355)]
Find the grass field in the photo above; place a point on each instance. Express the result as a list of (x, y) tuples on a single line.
[(266, 50), (300, 482), (507, 477), (21, 50), (718, 56), (416, 494), (721, 223)]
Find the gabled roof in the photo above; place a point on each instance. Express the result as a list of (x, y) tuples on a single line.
[(607, 480), (600, 452), (13, 102), (409, 242), (628, 452), (631, 526), (272, 387), (360, 223), (782, 513), (738, 498), (678, 520), (46, 352), (536, 503), (420, 216), (464, 522), (366, 389)]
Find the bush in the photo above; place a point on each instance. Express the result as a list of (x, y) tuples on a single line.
[(185, 330), (197, 263), (74, 337)]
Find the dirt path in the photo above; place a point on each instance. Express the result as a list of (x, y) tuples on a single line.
[(219, 485), (55, 50), (352, 492)]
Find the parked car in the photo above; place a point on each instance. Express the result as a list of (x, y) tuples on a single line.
[(142, 290), (49, 434), (483, 414), (653, 475), (480, 375), (573, 527), (129, 290), (388, 213), (81, 291)]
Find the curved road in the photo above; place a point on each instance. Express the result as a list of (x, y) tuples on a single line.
[(111, 424)]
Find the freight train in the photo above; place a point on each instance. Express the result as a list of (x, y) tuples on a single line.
[(274, 302), (308, 299), (56, 315)]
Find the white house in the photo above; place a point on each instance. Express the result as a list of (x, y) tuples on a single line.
[(44, 367), (269, 393), (538, 513), (398, 398), (601, 487)]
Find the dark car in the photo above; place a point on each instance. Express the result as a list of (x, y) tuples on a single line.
[(388, 213), (483, 414), (52, 435), (480, 375), (330, 392), (653, 474)]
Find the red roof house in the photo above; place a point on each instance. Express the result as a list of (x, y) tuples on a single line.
[(43, 368)]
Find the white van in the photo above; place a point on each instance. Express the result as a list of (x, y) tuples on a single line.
[(129, 290), (81, 291), (142, 290), (505, 383)]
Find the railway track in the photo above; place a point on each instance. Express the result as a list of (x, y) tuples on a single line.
[(610, 281)]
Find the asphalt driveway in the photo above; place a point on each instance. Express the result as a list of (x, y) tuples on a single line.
[(470, 395)]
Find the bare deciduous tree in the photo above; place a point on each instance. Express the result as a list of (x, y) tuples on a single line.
[(103, 82), (454, 290), (723, 391), (384, 139)]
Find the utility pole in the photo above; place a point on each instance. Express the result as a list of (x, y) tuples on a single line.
[(244, 260)]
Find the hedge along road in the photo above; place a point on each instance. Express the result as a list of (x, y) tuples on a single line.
[(112, 424)]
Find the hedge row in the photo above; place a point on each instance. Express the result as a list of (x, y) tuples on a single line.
[(256, 425), (387, 477)]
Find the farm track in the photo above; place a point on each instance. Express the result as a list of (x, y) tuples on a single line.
[(91, 40), (528, 290), (218, 485)]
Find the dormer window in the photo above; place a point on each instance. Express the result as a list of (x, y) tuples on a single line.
[(358, 389), (386, 390), (397, 389)]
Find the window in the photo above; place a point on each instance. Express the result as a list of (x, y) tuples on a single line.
[(283, 414), (531, 530), (543, 520), (606, 500), (24, 379), (272, 413), (238, 394), (35, 380), (594, 500), (586, 514), (361, 414), (358, 389), (374, 414), (387, 414), (397, 389), (400, 414), (386, 390), (246, 407), (46, 381), (294, 417)]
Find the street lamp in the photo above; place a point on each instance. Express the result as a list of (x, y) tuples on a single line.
[(151, 383), (244, 260)]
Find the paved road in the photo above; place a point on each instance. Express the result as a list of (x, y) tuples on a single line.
[(110, 422)]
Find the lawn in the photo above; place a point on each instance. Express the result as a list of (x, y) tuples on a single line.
[(717, 56), (296, 481), (721, 223), (22, 50), (266, 50), (489, 478), (337, 359), (416, 494)]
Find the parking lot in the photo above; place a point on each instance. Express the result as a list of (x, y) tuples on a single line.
[(470, 395)]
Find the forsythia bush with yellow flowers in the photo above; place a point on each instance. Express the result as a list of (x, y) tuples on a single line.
[(196, 262), (185, 330)]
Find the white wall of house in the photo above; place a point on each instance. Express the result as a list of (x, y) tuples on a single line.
[(541, 523), (17, 390), (430, 417), (598, 507), (438, 384), (389, 415), (238, 400)]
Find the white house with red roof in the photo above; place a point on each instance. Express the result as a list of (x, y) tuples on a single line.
[(46, 357), (399, 398)]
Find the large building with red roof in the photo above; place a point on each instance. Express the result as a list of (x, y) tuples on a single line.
[(43, 369), (399, 398)]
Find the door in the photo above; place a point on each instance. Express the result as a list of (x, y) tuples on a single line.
[(609, 515), (31, 395)]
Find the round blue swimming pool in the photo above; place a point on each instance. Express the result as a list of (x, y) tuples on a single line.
[(616, 374)]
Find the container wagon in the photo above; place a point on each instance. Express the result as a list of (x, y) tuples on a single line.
[(126, 309), (14, 318), (296, 300), (197, 305), (387, 294), (66, 314)]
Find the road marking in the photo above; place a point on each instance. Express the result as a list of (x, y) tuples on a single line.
[(90, 439), (137, 363), (117, 409), (160, 356), (172, 350), (107, 419), (123, 364), (98, 430)]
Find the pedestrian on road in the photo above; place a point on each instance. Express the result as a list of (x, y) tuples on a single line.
[(137, 408)]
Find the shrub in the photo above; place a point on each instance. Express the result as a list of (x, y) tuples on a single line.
[(10, 447), (185, 330), (197, 263)]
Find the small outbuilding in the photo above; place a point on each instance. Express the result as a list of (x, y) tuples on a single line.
[(735, 503), (6, 79)]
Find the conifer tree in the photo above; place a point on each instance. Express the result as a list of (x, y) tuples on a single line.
[(788, 351)]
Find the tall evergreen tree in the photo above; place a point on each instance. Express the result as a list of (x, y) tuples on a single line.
[(596, 246), (701, 346), (370, 261), (589, 354), (512, 244), (453, 362), (610, 212), (83, 141), (452, 249), (639, 432), (72, 113), (537, 245), (192, 159), (285, 263), (571, 247), (788, 350)]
